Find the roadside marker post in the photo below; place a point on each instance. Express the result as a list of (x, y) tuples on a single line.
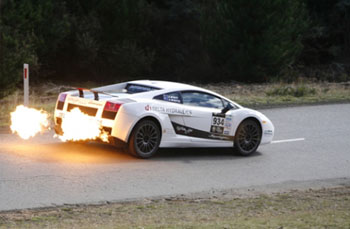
[(26, 84)]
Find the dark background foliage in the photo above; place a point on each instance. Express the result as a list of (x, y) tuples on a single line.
[(253, 40), (181, 40)]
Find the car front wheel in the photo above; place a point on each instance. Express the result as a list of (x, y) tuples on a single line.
[(145, 139), (248, 137)]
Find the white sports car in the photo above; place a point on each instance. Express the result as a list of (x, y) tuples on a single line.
[(148, 114)]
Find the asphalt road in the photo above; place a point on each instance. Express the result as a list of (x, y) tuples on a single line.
[(45, 172)]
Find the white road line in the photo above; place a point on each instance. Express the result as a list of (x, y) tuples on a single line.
[(288, 140)]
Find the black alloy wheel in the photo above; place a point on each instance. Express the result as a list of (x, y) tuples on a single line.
[(248, 137), (145, 139)]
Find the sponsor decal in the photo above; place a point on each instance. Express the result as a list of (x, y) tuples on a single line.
[(217, 129), (191, 132), (217, 123), (172, 98), (219, 137), (169, 110), (219, 115), (268, 132), (184, 130), (147, 108), (228, 122)]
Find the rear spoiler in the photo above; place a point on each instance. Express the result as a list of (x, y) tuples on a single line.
[(96, 97)]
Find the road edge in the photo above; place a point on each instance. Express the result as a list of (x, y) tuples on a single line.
[(229, 194)]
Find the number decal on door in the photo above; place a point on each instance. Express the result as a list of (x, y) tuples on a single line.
[(217, 123)]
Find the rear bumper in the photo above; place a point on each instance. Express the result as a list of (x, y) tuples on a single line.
[(111, 140)]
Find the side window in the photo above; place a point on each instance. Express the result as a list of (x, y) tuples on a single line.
[(200, 99), (173, 97)]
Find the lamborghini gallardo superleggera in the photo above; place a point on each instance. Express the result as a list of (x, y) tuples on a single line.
[(148, 114)]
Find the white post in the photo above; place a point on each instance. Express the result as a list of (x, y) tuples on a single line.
[(26, 84)]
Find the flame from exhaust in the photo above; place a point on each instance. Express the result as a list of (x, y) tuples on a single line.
[(28, 122), (78, 126)]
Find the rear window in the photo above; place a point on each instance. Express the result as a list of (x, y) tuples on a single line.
[(136, 88)]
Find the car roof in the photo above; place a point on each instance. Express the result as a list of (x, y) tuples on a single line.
[(165, 84), (170, 86)]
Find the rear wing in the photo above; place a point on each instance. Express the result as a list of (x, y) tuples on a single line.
[(96, 97)]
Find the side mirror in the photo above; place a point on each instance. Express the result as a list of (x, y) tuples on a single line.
[(227, 108)]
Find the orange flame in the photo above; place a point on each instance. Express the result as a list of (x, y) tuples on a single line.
[(28, 122), (77, 126)]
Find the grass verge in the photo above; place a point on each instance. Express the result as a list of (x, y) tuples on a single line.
[(279, 94), (253, 95), (326, 208), (41, 97)]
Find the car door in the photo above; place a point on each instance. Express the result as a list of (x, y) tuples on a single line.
[(171, 106), (206, 122)]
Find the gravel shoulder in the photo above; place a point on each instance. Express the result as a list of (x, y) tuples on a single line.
[(323, 204), (303, 208)]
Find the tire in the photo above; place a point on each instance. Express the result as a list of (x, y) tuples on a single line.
[(247, 138), (145, 139)]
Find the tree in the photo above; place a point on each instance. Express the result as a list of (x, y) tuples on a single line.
[(16, 47), (252, 40), (31, 32)]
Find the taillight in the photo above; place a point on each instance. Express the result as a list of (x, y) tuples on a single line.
[(114, 107), (62, 97), (110, 110), (61, 100)]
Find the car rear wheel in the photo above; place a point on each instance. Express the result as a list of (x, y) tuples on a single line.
[(145, 139), (248, 137)]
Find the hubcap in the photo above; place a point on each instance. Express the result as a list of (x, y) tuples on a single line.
[(146, 138), (248, 137)]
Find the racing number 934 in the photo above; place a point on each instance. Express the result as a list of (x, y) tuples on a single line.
[(218, 121)]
